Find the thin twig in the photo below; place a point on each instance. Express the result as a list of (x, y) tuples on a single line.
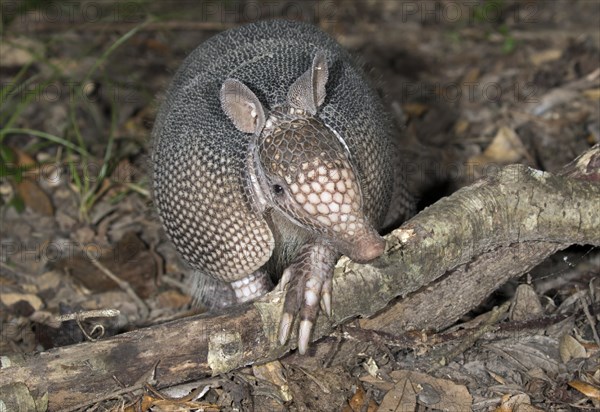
[(125, 286), (586, 302), (467, 343), (102, 313)]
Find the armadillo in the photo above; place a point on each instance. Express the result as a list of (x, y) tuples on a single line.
[(272, 157)]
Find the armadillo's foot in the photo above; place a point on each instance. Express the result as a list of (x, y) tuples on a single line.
[(308, 281), (252, 286)]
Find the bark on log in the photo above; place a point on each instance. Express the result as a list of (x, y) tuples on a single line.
[(517, 210)]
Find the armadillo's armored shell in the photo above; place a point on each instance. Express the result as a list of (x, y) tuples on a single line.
[(200, 159)]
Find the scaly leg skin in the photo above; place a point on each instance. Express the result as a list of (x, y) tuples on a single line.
[(308, 280), (252, 286), (216, 294)]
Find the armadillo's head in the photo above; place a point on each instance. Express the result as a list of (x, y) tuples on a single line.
[(302, 168), (312, 181)]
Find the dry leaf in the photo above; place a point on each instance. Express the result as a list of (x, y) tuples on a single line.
[(497, 378), (593, 94), (570, 348), (529, 352), (172, 405), (273, 372), (538, 373), (172, 299), (503, 407), (371, 367), (587, 389), (35, 198), (527, 408), (510, 403), (472, 75), (378, 383), (432, 392), (48, 281), (23, 159), (129, 259), (552, 99), (461, 126), (545, 56), (415, 109), (16, 52), (506, 147), (526, 304), (9, 299), (402, 397), (357, 400)]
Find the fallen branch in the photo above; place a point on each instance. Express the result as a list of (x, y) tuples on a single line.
[(517, 210)]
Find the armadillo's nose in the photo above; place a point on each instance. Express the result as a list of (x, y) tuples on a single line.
[(368, 248)]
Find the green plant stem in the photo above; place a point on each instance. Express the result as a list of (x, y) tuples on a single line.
[(44, 135)]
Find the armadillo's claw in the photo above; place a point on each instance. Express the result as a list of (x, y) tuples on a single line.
[(293, 279), (326, 303), (285, 327), (285, 279), (309, 283), (304, 335), (326, 297)]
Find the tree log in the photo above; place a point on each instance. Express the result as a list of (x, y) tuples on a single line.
[(518, 213)]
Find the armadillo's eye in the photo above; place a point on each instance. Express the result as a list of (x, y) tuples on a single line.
[(278, 189)]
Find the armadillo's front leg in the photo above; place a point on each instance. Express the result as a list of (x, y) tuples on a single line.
[(308, 280)]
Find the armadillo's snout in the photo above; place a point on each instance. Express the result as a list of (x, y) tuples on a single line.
[(364, 246), (367, 248)]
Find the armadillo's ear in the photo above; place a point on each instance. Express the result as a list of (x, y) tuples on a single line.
[(308, 91), (242, 106)]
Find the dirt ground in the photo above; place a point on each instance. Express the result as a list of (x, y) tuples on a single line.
[(477, 83)]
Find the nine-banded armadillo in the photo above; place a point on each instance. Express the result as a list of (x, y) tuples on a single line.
[(272, 155)]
